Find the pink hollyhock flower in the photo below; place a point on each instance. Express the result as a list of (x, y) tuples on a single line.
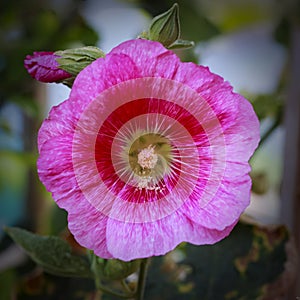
[(43, 67), (148, 152)]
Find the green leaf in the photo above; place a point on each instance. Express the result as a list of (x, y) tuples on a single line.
[(51, 253), (243, 266)]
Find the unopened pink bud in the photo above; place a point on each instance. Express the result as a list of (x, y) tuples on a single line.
[(43, 67)]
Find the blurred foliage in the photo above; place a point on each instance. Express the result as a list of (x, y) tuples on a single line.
[(260, 182), (14, 168), (239, 267), (249, 264), (27, 26), (235, 14), (268, 105), (35, 25), (26, 284)]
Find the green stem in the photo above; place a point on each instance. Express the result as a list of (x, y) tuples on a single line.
[(269, 131), (142, 279), (125, 286), (106, 290), (275, 124)]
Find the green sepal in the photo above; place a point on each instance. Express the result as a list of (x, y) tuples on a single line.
[(52, 253), (181, 44), (75, 60), (69, 81), (113, 269)]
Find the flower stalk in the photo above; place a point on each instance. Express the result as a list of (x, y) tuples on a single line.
[(142, 279)]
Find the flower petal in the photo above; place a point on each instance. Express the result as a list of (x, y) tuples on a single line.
[(61, 121), (43, 67), (151, 59), (225, 207), (87, 162), (129, 241), (90, 229), (100, 75), (55, 170)]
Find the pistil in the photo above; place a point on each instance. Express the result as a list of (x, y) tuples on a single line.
[(147, 158)]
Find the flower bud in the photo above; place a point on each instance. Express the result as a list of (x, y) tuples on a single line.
[(43, 67), (114, 269), (75, 60), (165, 28)]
